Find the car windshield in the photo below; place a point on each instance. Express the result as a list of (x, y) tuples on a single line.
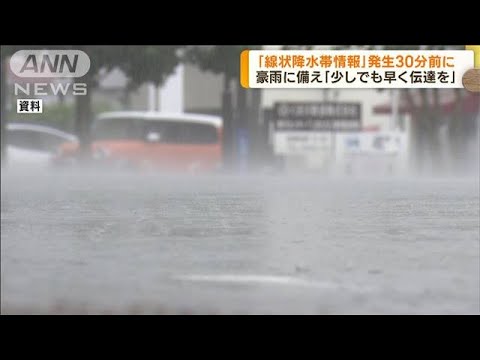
[(118, 129), (174, 132)]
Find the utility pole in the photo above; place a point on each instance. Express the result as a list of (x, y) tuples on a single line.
[(227, 137), (394, 120), (152, 97), (83, 120), (3, 118), (241, 129)]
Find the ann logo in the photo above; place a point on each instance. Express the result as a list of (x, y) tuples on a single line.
[(55, 65), (50, 63)]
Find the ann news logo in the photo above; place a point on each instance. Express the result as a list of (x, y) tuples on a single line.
[(47, 73)]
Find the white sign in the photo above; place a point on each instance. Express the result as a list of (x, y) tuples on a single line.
[(370, 153), (301, 142), (372, 143)]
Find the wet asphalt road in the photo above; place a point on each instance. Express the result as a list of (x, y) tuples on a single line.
[(257, 244)]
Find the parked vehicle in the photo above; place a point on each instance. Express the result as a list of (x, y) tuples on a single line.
[(33, 144), (152, 140)]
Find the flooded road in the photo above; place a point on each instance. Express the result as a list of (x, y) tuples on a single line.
[(259, 244)]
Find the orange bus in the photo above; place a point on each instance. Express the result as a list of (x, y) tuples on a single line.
[(153, 140)]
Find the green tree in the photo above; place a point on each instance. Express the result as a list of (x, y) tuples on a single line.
[(149, 64)]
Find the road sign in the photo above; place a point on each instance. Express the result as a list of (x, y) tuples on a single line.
[(317, 116)]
